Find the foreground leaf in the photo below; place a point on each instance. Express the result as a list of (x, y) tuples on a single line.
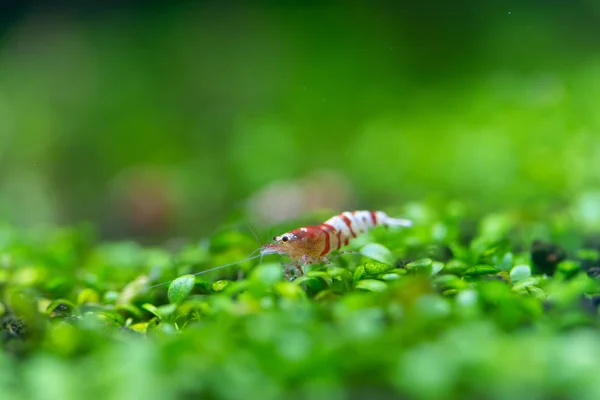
[(180, 288), (377, 252)]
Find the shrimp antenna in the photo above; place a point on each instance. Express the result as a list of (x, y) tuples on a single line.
[(250, 257), (255, 236), (252, 230)]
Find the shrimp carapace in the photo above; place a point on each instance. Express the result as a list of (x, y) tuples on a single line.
[(311, 244)]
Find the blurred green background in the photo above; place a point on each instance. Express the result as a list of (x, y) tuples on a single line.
[(157, 119)]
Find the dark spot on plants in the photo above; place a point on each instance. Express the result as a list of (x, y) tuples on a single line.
[(12, 328), (587, 264), (546, 256), (594, 272), (61, 310), (590, 304)]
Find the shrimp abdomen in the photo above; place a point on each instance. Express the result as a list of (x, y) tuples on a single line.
[(345, 226)]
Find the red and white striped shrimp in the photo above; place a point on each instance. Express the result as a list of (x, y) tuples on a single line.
[(311, 244)]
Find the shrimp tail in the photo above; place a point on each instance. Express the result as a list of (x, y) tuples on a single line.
[(389, 221)]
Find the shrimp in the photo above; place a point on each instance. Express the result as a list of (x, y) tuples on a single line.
[(311, 244)]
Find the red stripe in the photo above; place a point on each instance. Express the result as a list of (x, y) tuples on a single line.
[(328, 227), (373, 217), (348, 224), (327, 241), (346, 241), (339, 239)]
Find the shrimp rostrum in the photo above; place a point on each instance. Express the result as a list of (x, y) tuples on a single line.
[(312, 244)]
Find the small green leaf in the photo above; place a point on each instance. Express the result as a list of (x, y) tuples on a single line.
[(537, 292), (166, 310), (151, 309), (289, 290), (110, 297), (436, 267), (180, 288), (235, 287), (389, 277), (203, 286), (397, 271), (455, 267), (320, 274), (133, 290), (88, 296), (358, 273), (378, 252), (342, 278), (482, 270), (507, 262), (190, 307), (569, 267), (313, 283), (140, 327), (446, 282), (267, 274), (422, 266), (520, 272), (466, 298), (335, 272), (327, 294), (373, 268), (129, 309), (371, 285), (588, 254), (220, 285), (420, 263), (524, 283)]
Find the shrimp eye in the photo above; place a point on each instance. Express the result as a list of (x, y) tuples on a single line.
[(284, 239)]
